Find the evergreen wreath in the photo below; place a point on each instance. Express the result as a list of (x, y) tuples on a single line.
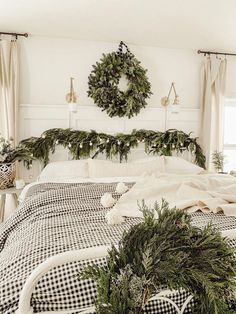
[(166, 252), (82, 144), (104, 79)]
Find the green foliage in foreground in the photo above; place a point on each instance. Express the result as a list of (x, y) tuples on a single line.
[(166, 251)]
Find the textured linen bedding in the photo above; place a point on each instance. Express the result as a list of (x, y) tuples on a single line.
[(58, 217), (206, 192)]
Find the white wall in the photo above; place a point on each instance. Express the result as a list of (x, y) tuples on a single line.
[(48, 63), (231, 78)]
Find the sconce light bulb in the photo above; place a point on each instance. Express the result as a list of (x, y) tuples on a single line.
[(73, 107), (165, 101)]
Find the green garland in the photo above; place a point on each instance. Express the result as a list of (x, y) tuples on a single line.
[(104, 79), (82, 144), (168, 252)]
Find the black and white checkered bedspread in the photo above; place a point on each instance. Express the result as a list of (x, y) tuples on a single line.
[(56, 218)]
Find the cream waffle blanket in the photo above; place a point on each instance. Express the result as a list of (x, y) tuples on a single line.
[(206, 192)]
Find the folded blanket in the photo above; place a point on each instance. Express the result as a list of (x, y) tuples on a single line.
[(212, 204)]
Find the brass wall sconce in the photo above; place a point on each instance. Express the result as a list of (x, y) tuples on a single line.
[(165, 101), (71, 97)]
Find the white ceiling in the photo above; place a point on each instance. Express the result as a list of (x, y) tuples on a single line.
[(194, 24)]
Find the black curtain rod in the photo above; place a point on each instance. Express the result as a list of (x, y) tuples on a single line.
[(15, 34), (216, 53)]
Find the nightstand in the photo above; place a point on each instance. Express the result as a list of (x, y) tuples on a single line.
[(3, 193)]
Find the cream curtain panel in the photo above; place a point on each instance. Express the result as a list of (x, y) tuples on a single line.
[(213, 79), (9, 82)]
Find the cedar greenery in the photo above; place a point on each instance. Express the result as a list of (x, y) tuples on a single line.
[(11, 154), (82, 144), (104, 79), (166, 252)]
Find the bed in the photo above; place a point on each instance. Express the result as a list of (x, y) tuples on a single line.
[(57, 217)]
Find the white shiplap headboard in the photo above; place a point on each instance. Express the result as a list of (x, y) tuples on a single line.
[(34, 119)]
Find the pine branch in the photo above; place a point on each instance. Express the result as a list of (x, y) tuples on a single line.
[(82, 144), (167, 250)]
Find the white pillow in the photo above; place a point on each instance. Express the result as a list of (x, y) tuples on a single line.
[(71, 169), (157, 158), (105, 168), (180, 166)]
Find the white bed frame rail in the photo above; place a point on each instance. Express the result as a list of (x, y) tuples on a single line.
[(24, 306)]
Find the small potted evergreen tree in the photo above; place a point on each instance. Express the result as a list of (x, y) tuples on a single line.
[(218, 160)]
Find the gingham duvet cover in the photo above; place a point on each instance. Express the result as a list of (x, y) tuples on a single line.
[(55, 218)]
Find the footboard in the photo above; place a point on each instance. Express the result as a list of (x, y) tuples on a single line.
[(54, 261), (72, 256)]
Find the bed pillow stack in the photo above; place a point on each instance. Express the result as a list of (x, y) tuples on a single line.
[(64, 170), (106, 168), (94, 168), (177, 165)]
